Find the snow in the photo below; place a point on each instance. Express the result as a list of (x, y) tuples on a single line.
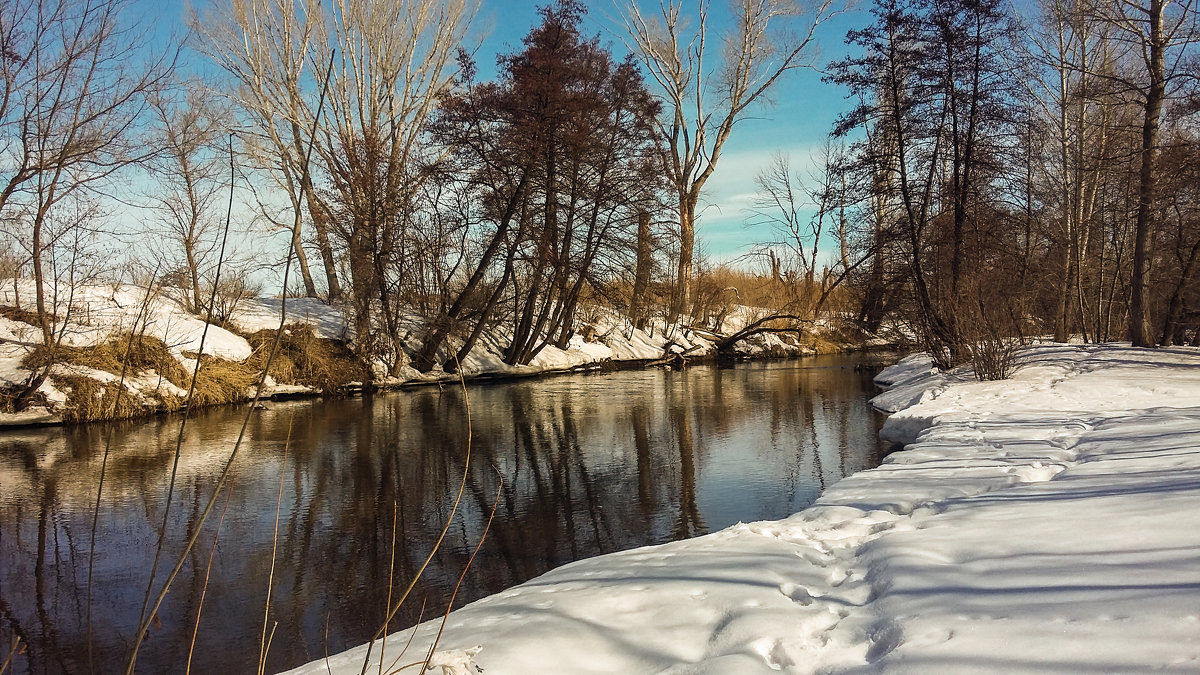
[(97, 313), (1045, 523), (328, 321)]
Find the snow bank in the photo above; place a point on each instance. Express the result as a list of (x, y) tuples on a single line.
[(1069, 379), (1046, 523), (98, 313)]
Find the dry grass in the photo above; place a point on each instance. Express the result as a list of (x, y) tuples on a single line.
[(304, 358), (9, 395), (142, 354), (221, 381), (218, 382), (821, 344), (89, 400), (22, 315)]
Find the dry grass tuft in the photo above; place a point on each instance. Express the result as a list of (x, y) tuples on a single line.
[(304, 358), (221, 381), (218, 381), (89, 400), (145, 353), (22, 315), (821, 344)]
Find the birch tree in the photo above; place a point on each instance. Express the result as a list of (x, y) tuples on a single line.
[(1069, 47)]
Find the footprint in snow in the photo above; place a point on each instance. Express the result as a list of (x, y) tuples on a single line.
[(797, 594), (774, 655)]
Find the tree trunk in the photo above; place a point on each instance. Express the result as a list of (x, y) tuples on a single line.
[(641, 274), (1174, 316), (189, 251), (1143, 236), (39, 279), (310, 290), (423, 360), (362, 283), (687, 244), (320, 220)]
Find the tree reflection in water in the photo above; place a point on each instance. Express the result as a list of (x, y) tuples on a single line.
[(590, 464)]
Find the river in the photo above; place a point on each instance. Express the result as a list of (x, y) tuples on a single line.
[(343, 494)]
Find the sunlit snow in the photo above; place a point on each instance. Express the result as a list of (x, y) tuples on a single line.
[(1045, 523)]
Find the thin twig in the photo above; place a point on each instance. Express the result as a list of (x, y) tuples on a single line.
[(264, 642), (391, 575), (108, 437), (204, 587), (328, 668), (12, 654), (411, 636)]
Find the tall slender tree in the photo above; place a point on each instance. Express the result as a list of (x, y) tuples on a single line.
[(705, 95)]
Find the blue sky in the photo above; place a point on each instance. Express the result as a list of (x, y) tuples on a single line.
[(796, 123)]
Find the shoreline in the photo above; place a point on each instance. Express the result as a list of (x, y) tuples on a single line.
[(314, 362), (1003, 538), (286, 393)]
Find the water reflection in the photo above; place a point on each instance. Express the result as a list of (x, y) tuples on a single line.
[(583, 464)]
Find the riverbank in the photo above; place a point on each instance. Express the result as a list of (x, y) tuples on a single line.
[(1044, 523), (85, 386)]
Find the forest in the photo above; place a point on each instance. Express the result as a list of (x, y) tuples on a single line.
[(1003, 172)]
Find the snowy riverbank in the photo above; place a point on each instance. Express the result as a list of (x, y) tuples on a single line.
[(99, 314), (1045, 523)]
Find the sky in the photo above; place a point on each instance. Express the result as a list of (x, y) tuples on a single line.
[(795, 123), (802, 114)]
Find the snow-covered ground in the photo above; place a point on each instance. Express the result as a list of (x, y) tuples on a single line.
[(98, 313), (1049, 523)]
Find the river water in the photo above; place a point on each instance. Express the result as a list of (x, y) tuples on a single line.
[(344, 494)]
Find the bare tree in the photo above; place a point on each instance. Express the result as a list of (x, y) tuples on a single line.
[(800, 211), (1160, 30), (783, 204), (74, 79), (264, 46), (703, 104), (1067, 47), (396, 59), (189, 176)]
